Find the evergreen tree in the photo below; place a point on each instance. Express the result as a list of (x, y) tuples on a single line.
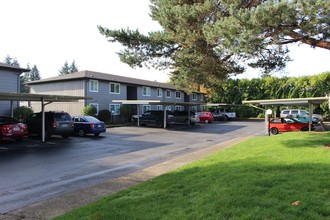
[(207, 41), (34, 74), (73, 67), (11, 61), (65, 69)]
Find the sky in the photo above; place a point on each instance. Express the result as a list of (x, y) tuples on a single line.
[(48, 33)]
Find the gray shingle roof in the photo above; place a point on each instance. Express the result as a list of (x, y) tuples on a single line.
[(86, 74), (19, 69)]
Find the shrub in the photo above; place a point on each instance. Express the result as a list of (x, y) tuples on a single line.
[(22, 112), (104, 115), (89, 110), (126, 112)]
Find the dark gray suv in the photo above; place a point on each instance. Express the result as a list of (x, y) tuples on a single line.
[(56, 123), (154, 118)]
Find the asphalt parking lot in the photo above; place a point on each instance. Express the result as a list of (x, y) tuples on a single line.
[(32, 171)]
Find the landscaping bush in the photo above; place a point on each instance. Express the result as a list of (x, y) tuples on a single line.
[(104, 115), (89, 110), (22, 112)]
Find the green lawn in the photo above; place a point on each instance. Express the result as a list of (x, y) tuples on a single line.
[(256, 179)]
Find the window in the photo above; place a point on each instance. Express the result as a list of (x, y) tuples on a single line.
[(115, 109), (177, 94), (93, 85), (114, 88), (201, 97), (159, 107), (168, 93), (146, 91), (96, 106), (146, 108), (159, 92), (194, 96), (194, 108), (177, 108), (169, 108)]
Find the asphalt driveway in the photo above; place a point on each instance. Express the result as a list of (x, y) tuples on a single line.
[(32, 171)]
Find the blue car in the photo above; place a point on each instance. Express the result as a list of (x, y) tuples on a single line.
[(87, 125), (303, 118)]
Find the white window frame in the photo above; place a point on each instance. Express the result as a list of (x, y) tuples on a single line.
[(194, 96), (176, 93), (97, 107), (177, 108), (145, 108), (114, 87), (159, 107), (93, 85), (159, 92), (146, 91), (115, 109), (167, 92), (169, 108)]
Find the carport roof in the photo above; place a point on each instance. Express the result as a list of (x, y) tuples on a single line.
[(289, 102), (155, 102), (39, 97)]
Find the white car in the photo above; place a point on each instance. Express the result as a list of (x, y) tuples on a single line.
[(286, 112)]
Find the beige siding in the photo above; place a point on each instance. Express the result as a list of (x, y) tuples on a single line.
[(74, 88), (70, 88)]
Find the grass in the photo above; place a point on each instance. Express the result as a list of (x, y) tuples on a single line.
[(257, 179)]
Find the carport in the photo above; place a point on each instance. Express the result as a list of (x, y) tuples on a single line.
[(310, 102), (45, 99), (156, 102)]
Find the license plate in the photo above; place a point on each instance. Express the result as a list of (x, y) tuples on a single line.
[(16, 129), (65, 125)]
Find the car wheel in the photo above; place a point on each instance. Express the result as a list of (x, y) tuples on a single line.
[(304, 129), (159, 124), (81, 133), (97, 134), (206, 121), (274, 131)]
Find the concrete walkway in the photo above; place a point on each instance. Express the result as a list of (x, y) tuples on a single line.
[(56, 206)]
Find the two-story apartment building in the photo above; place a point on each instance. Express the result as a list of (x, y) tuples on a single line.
[(105, 88), (9, 82)]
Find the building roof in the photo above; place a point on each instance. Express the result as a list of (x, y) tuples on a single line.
[(86, 74), (15, 68), (289, 102), (10, 96)]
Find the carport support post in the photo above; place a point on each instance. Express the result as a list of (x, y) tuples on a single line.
[(138, 113), (43, 130), (266, 120), (165, 110), (310, 108)]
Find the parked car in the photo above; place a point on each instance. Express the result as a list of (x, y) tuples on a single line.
[(56, 123), (205, 117), (154, 118), (88, 125), (303, 118), (182, 117), (286, 112), (286, 124), (12, 129)]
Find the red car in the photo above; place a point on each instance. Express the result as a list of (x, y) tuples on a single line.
[(205, 117), (285, 124), (11, 128)]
